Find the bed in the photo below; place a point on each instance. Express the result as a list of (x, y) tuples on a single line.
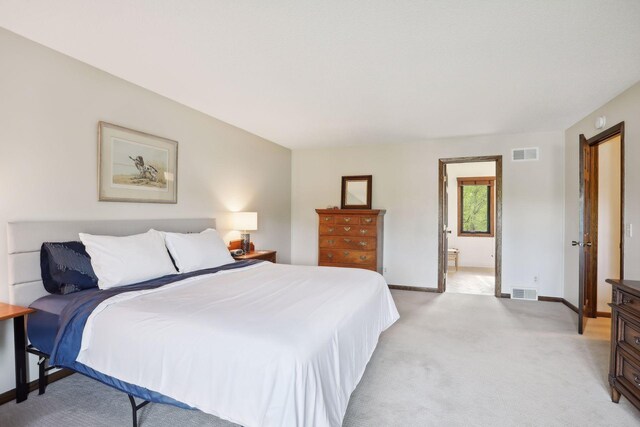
[(256, 343)]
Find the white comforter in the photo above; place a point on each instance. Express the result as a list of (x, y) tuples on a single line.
[(265, 345)]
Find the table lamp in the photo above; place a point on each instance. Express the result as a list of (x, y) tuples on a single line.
[(244, 222)]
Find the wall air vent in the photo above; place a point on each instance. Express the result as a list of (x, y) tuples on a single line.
[(524, 154), (529, 294)]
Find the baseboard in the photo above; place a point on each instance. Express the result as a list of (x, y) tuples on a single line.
[(412, 288), (10, 395), (571, 306), (540, 298), (549, 299), (558, 299), (568, 304)]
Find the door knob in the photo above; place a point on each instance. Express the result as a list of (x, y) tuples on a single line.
[(574, 243), (588, 244)]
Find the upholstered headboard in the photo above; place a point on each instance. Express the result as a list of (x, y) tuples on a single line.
[(25, 238)]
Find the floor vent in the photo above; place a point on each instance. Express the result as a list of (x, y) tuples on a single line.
[(524, 154), (528, 294)]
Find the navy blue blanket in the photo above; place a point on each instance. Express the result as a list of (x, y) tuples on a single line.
[(74, 318)]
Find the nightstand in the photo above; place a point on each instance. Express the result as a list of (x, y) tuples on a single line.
[(18, 314), (264, 255)]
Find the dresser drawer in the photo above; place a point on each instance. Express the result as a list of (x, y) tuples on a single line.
[(327, 219), (628, 372), (355, 219), (368, 220), (347, 230), (347, 219), (629, 332), (629, 302), (347, 256), (371, 267), (348, 242)]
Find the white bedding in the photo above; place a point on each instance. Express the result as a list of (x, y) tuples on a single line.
[(265, 345)]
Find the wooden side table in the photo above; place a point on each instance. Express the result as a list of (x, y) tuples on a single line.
[(263, 255), (453, 256), (18, 314)]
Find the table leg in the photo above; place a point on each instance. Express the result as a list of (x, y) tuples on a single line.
[(20, 346)]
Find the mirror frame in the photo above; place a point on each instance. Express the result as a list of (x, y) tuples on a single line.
[(345, 180)]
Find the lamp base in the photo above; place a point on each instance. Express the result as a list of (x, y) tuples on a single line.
[(246, 242)]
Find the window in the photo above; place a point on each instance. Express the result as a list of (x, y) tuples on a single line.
[(475, 206)]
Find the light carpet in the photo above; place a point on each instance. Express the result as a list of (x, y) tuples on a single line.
[(451, 360)]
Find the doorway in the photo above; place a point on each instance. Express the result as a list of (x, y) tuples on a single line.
[(470, 225), (601, 241)]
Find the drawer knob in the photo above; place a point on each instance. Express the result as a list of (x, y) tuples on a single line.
[(636, 379), (626, 300), (363, 257), (347, 240), (347, 219), (347, 228), (331, 230), (363, 231), (329, 255), (331, 242), (327, 218), (363, 243), (636, 340), (368, 220), (346, 253)]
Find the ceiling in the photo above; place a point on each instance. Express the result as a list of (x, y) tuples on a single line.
[(318, 73)]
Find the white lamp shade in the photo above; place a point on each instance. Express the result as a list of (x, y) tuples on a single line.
[(245, 221)]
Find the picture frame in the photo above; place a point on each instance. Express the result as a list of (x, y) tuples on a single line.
[(356, 192), (135, 166)]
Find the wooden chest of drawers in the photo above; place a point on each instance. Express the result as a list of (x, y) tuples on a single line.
[(624, 368), (350, 238)]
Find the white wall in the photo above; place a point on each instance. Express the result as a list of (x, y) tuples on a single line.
[(625, 107), (474, 251), (608, 220), (50, 106), (405, 182)]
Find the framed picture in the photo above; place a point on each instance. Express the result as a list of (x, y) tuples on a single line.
[(136, 166), (356, 192)]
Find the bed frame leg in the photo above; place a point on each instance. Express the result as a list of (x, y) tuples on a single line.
[(135, 408), (42, 377), (43, 358)]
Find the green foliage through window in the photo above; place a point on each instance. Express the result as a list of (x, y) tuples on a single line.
[(475, 209)]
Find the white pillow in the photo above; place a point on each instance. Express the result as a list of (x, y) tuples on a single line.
[(197, 251), (120, 261)]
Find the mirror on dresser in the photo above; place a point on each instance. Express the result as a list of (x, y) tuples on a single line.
[(356, 192)]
